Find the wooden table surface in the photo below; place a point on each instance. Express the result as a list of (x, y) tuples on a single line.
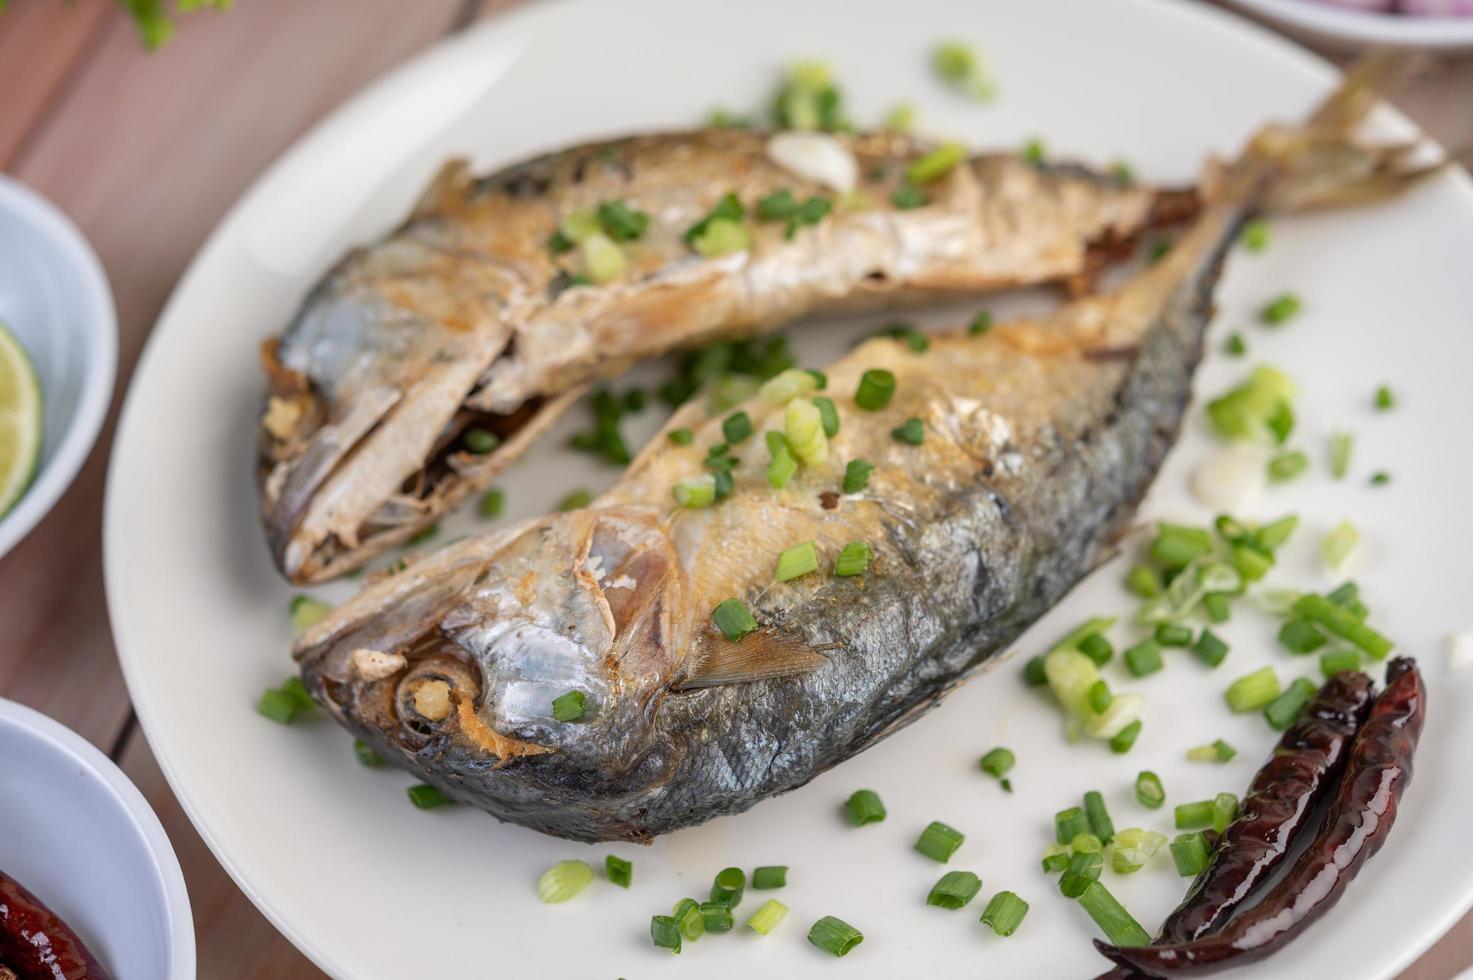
[(146, 152)]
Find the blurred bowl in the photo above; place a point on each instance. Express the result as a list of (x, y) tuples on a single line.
[(80, 837), (1344, 27), (55, 299)]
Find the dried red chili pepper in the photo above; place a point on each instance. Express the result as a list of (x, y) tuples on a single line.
[(36, 944), (1303, 770), (1359, 818)]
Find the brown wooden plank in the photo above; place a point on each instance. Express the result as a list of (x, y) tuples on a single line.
[(41, 42)]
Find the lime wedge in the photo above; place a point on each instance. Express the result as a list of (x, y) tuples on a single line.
[(20, 420)]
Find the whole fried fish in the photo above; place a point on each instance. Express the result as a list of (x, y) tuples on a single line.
[(422, 365), (1038, 440)]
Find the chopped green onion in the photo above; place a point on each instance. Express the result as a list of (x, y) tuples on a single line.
[(733, 619), (1034, 152), (1097, 648), (480, 441), (1189, 815), (1121, 742), (1380, 478), (1336, 661), (721, 237), (979, 325), (796, 561), (1224, 811), (1339, 544), (876, 388), (619, 871), (853, 560), (1190, 853), (569, 706), (1300, 636), (1343, 624), (1004, 913), (1099, 697), (575, 500), (427, 797), (492, 503), (856, 475), (1100, 823), (833, 935), (900, 119), (1035, 671), (1286, 466), (717, 916), (770, 876), (688, 916), (938, 841), (1281, 309), (1069, 822), (1159, 250), (908, 197), (1285, 709), (367, 757), (698, 491), (1341, 444), (1084, 868), (954, 890), (766, 918), (1173, 635), (912, 432), (665, 932), (563, 881), (603, 260), (1086, 844), (283, 704), (1253, 691), (1235, 345), (736, 427), (1149, 792), (828, 415), (918, 342), (864, 807), (1218, 751), (1218, 606), (998, 762), (729, 208), (1119, 927), (1384, 400), (558, 243), (578, 225), (1133, 848), (728, 886), (958, 66), (1260, 406), (1123, 172), (790, 384), (307, 612), (803, 427), (1144, 582), (1144, 658), (1255, 235), (782, 467), (1055, 858), (620, 222), (1209, 648), (936, 164), (1175, 545)]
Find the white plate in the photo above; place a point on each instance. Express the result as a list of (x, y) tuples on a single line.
[(370, 887), (81, 838), (54, 296), (1347, 28)]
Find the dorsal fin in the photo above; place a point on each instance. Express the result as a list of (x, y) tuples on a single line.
[(759, 656)]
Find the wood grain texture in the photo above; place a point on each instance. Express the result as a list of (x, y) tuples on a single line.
[(146, 152)]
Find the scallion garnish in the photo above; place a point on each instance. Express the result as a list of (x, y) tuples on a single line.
[(766, 918), (1261, 406), (1084, 868), (1343, 624), (1253, 691), (997, 763), (790, 384), (980, 324), (307, 612), (733, 619), (729, 208), (1144, 581), (834, 935), (1055, 858), (908, 197), (1034, 153), (1384, 399), (936, 164), (1190, 853), (728, 886), (1235, 345), (876, 388), (1285, 709), (938, 841), (828, 415), (1004, 913), (564, 880), (283, 704), (1300, 636), (365, 754), (1133, 848), (1099, 818), (427, 797), (1218, 607), (1173, 635), (1099, 697), (689, 918), (736, 427), (803, 428), (665, 932), (1341, 445), (620, 222), (954, 890), (853, 559), (480, 441), (1190, 815), (569, 706), (900, 119), (1122, 740), (1149, 792), (575, 500), (717, 916), (770, 876), (619, 871), (782, 467), (856, 475), (603, 260), (1281, 309), (1118, 925), (1175, 545), (1035, 671), (908, 335), (699, 491), (912, 432), (1097, 648), (1209, 648), (492, 503), (1336, 661), (796, 561), (1070, 822), (1286, 466), (1255, 235), (1224, 811), (1144, 658), (1086, 843), (1339, 544), (864, 807), (1218, 751), (1380, 478), (958, 66)]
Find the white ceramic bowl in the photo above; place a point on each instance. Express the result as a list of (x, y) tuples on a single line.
[(1345, 28), (55, 298), (80, 837)]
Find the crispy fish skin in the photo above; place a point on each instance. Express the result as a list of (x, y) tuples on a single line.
[(462, 317)]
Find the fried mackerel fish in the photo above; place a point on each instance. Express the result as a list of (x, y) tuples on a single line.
[(421, 365), (1005, 468)]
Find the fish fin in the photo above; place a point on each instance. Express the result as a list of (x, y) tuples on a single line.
[(448, 189), (761, 656)]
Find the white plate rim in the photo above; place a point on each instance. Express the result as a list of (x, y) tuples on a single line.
[(327, 130), (1363, 26), (100, 333)]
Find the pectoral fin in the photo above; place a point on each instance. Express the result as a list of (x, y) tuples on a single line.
[(760, 656)]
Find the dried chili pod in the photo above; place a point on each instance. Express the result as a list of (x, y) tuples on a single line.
[(34, 942)]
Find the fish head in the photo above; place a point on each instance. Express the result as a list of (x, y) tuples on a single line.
[(454, 664)]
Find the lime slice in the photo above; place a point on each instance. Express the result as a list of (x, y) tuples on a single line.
[(20, 420)]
